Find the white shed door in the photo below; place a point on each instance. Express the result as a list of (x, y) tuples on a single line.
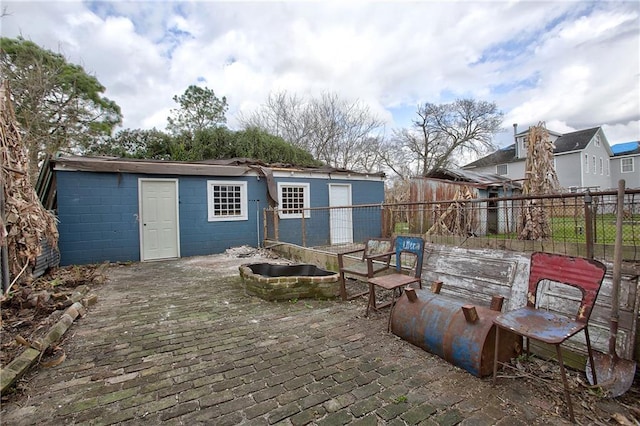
[(159, 219), (340, 220)]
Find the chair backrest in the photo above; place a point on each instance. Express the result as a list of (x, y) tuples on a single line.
[(413, 246), (584, 274), (377, 246)]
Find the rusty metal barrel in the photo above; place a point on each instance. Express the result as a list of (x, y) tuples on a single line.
[(462, 334)]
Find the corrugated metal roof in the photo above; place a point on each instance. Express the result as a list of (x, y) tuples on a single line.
[(226, 167), (480, 179)]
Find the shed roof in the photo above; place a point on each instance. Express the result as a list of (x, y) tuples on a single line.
[(483, 180), (225, 167)]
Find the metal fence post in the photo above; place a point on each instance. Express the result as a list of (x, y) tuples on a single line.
[(588, 228), (304, 230)]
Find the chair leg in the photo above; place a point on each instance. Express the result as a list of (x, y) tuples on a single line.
[(393, 304), (495, 356), (590, 352), (343, 287), (371, 301), (372, 294), (567, 397)]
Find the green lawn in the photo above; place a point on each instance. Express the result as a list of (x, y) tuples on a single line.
[(572, 229)]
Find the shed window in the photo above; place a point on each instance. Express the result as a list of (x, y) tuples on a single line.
[(501, 169), (294, 200), (226, 200), (626, 165)]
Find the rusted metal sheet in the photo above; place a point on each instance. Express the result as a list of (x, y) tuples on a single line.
[(437, 324)]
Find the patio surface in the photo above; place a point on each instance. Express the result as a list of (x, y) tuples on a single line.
[(179, 342)]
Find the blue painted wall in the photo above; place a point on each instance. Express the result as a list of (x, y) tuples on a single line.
[(367, 222), (98, 213), (198, 236)]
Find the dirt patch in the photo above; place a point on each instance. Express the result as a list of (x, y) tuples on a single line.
[(31, 308)]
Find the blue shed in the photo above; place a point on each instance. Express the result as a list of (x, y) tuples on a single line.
[(114, 209)]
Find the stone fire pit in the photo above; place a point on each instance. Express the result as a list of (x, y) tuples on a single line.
[(272, 281)]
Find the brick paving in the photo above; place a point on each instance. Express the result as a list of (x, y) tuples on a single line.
[(179, 342)]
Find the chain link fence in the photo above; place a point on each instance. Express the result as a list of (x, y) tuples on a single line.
[(579, 224)]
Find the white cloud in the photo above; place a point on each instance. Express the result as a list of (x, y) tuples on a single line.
[(571, 64)]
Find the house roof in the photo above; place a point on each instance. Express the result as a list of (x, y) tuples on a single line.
[(501, 156), (482, 180), (626, 148), (574, 141), (226, 167), (524, 132)]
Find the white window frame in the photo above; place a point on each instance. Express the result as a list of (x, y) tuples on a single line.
[(506, 169), (306, 195), (601, 164), (586, 163), (597, 140), (211, 201), (595, 165), (622, 165)]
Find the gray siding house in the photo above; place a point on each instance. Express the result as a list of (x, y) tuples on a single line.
[(625, 163), (114, 209), (582, 160)]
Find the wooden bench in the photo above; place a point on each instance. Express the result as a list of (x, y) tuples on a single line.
[(375, 258)]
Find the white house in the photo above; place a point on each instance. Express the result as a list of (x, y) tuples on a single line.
[(583, 159)]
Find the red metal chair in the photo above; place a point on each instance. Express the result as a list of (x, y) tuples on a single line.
[(412, 247), (553, 328)]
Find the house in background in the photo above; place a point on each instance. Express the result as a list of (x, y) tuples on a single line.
[(114, 209), (582, 159), (625, 163)]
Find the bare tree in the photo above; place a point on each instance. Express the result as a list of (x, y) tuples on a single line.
[(340, 133), (282, 115), (442, 135)]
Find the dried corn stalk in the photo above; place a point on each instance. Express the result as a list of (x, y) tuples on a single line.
[(540, 179), (457, 219), (26, 221)]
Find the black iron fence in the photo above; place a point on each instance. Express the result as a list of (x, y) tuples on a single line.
[(581, 224)]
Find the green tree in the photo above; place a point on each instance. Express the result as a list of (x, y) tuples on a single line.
[(200, 109), (135, 143), (58, 105), (258, 144)]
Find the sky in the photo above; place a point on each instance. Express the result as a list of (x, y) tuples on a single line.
[(570, 64)]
